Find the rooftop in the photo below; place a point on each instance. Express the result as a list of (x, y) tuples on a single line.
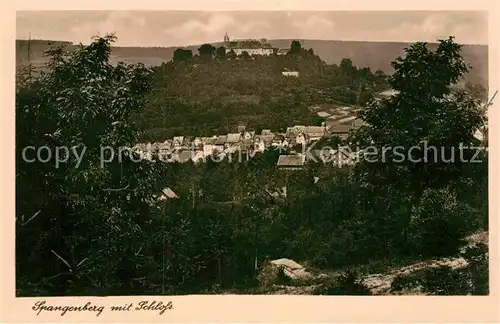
[(266, 132), (233, 138), (221, 140), (291, 160), (323, 114), (178, 140), (339, 129), (168, 193), (315, 129), (389, 93), (249, 44)]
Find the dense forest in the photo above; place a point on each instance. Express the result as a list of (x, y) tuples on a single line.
[(101, 229)]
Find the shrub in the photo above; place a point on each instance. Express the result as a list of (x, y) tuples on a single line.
[(347, 284), (405, 282)]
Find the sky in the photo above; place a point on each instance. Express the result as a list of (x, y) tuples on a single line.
[(182, 28)]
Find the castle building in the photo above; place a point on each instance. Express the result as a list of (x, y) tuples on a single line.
[(251, 46)]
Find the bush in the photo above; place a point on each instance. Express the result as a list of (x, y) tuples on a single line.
[(347, 284), (405, 282), (444, 281), (281, 276), (438, 225)]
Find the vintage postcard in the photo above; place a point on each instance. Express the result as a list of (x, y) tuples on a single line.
[(250, 161)]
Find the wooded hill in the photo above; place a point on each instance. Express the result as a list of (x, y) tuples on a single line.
[(204, 96), (376, 55)]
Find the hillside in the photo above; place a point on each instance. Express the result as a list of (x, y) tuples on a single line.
[(202, 97), (376, 55)]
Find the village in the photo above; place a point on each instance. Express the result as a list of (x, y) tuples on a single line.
[(338, 122), (247, 143)]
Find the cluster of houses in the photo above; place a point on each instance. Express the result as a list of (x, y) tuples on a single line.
[(183, 148)]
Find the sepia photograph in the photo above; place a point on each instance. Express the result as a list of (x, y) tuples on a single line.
[(166, 153)]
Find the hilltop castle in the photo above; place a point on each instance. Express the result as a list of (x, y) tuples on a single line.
[(251, 46)]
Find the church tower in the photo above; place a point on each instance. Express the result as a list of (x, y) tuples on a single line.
[(226, 40)]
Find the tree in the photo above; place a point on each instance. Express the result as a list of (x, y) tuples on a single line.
[(231, 55), (438, 224), (206, 50), (347, 67), (477, 91), (181, 55), (347, 284), (426, 112), (79, 233), (245, 55), (295, 47), (221, 53)]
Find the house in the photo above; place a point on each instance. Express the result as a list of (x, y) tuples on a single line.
[(220, 143), (266, 132), (258, 144), (209, 145), (291, 73), (164, 149), (177, 142), (188, 143), (208, 149), (340, 130), (168, 193), (246, 145), (198, 141), (233, 138), (251, 46), (300, 139), (198, 156), (323, 114), (294, 161), (182, 156), (294, 130), (267, 139), (357, 123), (339, 157), (314, 133), (249, 135), (279, 140), (140, 147), (220, 140), (232, 142)]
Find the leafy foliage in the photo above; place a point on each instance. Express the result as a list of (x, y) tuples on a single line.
[(100, 229), (347, 284), (181, 55)]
